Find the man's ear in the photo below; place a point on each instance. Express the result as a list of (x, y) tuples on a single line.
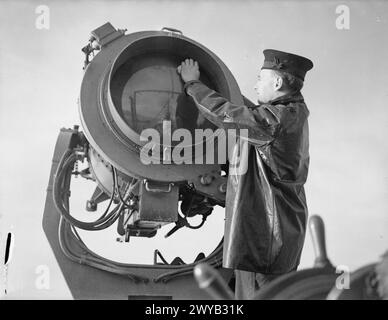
[(278, 82)]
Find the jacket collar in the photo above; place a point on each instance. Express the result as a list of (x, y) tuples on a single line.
[(288, 98)]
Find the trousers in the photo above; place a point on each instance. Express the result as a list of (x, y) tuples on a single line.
[(247, 283)]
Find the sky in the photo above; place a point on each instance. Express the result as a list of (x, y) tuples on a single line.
[(346, 93)]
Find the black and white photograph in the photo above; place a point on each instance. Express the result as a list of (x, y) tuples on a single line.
[(194, 150)]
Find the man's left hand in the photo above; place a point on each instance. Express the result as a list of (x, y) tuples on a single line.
[(189, 70)]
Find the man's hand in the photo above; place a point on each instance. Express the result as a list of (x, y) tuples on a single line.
[(189, 70)]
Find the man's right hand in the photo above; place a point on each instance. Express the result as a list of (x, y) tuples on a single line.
[(189, 70)]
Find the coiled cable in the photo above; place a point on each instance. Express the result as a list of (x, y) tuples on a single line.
[(61, 194)]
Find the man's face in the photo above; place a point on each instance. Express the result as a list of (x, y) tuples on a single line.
[(266, 86)]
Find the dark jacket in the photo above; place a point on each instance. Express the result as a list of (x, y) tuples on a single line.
[(266, 209)]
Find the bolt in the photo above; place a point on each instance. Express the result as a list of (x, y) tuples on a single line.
[(222, 188), (91, 206), (206, 179)]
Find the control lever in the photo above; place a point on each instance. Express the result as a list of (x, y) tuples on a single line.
[(182, 222), (317, 230), (210, 280)]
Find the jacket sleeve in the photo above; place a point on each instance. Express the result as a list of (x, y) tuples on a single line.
[(263, 122)]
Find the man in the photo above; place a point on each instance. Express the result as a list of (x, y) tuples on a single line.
[(266, 209)]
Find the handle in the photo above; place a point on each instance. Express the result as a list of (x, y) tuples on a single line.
[(211, 281), (167, 29), (317, 229), (149, 189)]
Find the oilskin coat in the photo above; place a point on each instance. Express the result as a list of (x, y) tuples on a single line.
[(266, 209)]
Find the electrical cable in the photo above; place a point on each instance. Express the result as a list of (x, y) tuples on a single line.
[(68, 225), (61, 193)]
